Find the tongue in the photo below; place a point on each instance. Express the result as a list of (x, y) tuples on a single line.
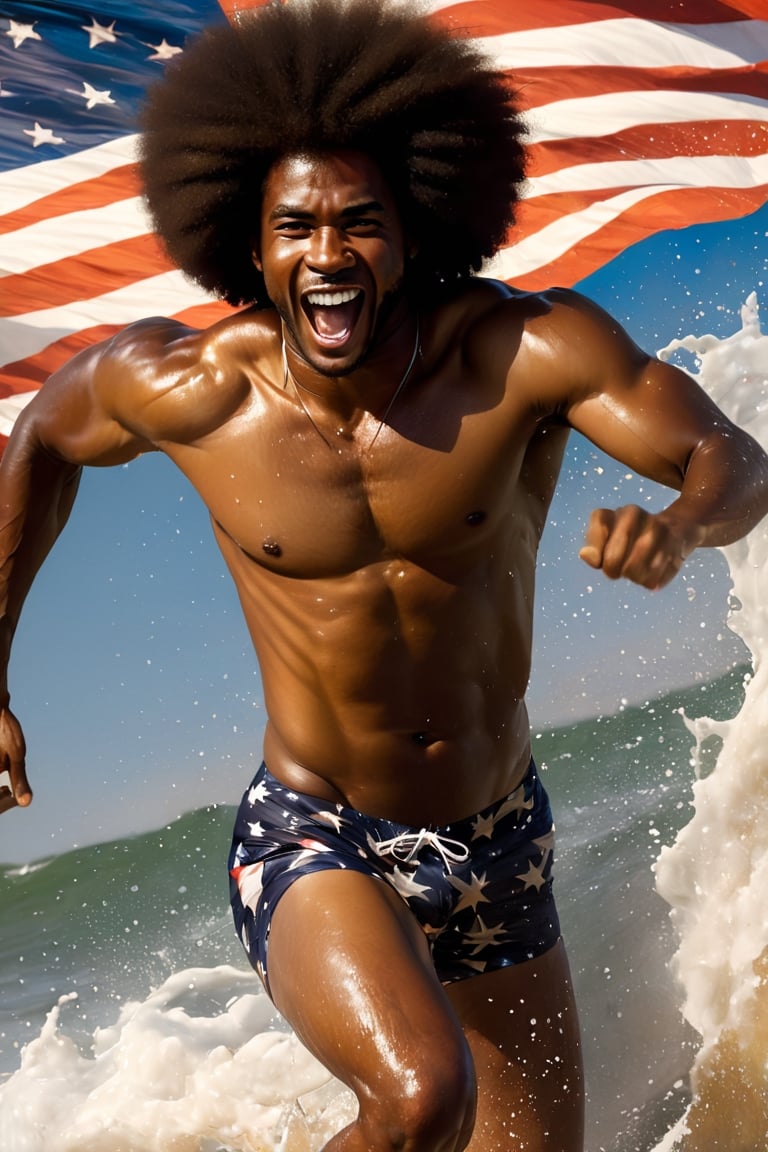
[(333, 321)]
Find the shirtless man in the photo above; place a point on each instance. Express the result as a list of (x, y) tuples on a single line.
[(378, 439)]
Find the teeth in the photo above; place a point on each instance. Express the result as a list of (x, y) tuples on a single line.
[(331, 298)]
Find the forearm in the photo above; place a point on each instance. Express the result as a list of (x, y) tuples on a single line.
[(37, 491), (724, 492)]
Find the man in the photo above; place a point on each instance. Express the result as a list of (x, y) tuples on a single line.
[(378, 440)]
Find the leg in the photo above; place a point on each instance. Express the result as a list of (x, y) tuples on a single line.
[(523, 1030), (350, 970)]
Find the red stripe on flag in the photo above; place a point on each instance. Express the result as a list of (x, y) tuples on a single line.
[(538, 86), (27, 375), (490, 17), (595, 111), (649, 142), (96, 192), (89, 274), (670, 208)]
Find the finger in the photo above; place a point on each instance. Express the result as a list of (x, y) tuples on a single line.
[(7, 799), (20, 785), (653, 568), (661, 571), (595, 537), (625, 552)]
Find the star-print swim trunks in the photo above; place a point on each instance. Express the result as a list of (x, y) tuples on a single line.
[(481, 887)]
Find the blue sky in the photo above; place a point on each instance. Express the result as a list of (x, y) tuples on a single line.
[(133, 674)]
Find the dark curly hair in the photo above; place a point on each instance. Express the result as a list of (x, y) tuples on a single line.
[(320, 75)]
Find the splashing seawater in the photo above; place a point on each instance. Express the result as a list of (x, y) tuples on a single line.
[(715, 876), (203, 1063)]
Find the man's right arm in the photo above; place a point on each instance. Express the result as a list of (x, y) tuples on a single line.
[(65, 426), (37, 491)]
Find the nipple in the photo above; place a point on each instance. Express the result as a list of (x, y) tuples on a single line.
[(272, 548), (475, 518), (422, 739)]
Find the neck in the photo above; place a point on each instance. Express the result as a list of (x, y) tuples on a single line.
[(354, 394), (369, 387)]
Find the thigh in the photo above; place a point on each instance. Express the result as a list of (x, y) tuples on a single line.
[(522, 1028), (350, 970)]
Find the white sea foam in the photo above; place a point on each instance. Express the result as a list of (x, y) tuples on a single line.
[(203, 1063), (715, 875)]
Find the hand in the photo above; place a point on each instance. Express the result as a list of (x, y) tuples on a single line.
[(642, 546), (12, 753)]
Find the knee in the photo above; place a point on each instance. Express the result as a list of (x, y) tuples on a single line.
[(431, 1110)]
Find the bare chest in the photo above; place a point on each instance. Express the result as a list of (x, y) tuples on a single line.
[(313, 503)]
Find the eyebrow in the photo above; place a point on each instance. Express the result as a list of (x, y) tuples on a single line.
[(282, 210)]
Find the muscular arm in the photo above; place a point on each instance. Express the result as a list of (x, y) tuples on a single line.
[(36, 495), (75, 419), (655, 419)]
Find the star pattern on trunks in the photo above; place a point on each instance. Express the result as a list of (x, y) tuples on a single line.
[(406, 885), (546, 843), (534, 877), (482, 935), (258, 793), (480, 889), (249, 880), (471, 894), (335, 819), (484, 825)]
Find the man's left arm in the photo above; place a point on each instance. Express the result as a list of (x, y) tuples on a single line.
[(654, 418)]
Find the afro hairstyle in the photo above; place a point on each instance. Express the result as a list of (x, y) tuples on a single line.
[(313, 76)]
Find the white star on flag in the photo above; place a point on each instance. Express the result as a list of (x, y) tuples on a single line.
[(163, 51), (93, 96), (637, 125), (42, 136), (21, 32), (100, 33)]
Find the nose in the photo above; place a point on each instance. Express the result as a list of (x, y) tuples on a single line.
[(328, 252)]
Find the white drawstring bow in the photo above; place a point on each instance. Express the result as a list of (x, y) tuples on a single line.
[(407, 845)]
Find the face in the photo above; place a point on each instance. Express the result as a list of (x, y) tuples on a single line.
[(331, 252)]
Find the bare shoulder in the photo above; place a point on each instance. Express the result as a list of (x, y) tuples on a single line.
[(168, 382), (555, 346)]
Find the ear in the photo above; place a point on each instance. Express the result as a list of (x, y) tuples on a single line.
[(256, 258)]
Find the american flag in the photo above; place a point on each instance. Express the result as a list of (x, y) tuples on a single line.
[(642, 115)]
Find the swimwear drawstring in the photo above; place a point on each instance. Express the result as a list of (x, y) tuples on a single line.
[(408, 844)]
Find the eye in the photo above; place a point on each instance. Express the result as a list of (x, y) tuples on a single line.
[(362, 225), (293, 228)]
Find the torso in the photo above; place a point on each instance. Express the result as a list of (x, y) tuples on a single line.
[(387, 584)]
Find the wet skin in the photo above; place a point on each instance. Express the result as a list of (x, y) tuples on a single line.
[(386, 574)]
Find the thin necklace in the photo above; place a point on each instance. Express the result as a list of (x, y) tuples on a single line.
[(299, 388)]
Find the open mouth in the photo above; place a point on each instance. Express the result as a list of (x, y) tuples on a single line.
[(332, 312)]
